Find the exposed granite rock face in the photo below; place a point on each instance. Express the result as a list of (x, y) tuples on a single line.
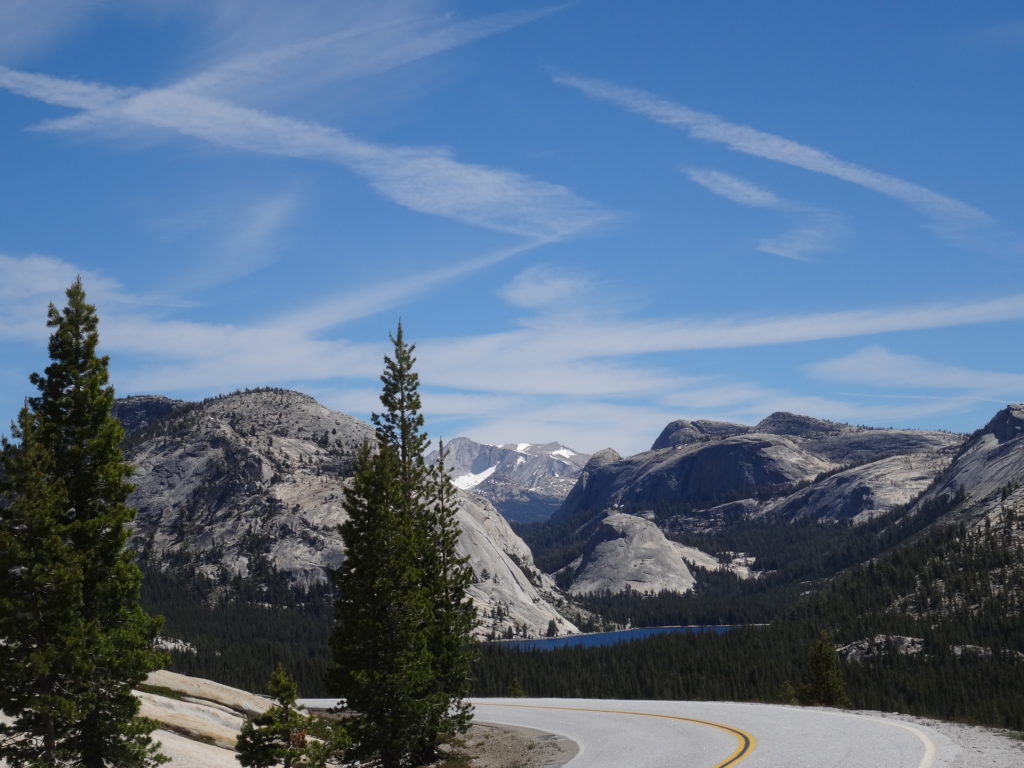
[(207, 712), (863, 492), (1008, 424), (683, 432), (989, 468), (140, 411), (512, 596), (254, 477), (525, 482), (710, 471), (859, 445), (881, 645), (700, 475), (601, 458), (234, 485), (704, 475), (785, 423), (628, 552)]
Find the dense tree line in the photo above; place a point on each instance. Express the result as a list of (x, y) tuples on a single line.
[(241, 630), (961, 592), (790, 559), (755, 664)]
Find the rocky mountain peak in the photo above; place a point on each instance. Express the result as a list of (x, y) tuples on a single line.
[(602, 458), (140, 411), (683, 432), (678, 432), (526, 482), (251, 485), (795, 425), (1008, 424)]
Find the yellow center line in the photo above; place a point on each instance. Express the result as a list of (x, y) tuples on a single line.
[(745, 741)]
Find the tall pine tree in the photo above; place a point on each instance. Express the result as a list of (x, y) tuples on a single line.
[(447, 576), (73, 639), (402, 640)]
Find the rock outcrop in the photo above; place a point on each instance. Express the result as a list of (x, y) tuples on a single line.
[(702, 475), (695, 476), (863, 492), (628, 552), (138, 412), (988, 469), (525, 482), (683, 432), (253, 483), (705, 465)]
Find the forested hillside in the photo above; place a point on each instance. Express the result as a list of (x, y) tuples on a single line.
[(958, 593), (925, 595)]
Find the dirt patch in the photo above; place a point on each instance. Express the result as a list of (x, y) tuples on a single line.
[(506, 746)]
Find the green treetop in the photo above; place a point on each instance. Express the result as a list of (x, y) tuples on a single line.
[(825, 686), (73, 639), (401, 644)]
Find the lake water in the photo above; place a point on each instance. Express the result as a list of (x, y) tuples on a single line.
[(595, 639)]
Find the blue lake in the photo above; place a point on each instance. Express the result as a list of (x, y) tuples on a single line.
[(596, 639)]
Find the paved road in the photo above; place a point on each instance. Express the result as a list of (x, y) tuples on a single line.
[(671, 734)]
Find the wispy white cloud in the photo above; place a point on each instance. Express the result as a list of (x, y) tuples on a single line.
[(64, 93), (818, 230), (370, 38), (1007, 33), (28, 284), (735, 189), (36, 276), (601, 337), (371, 299), (424, 179), (28, 25), (244, 240), (879, 367), (541, 286), (748, 403), (575, 377), (943, 210), (585, 425)]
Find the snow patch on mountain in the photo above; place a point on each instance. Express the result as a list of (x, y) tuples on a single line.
[(525, 481), (469, 480)]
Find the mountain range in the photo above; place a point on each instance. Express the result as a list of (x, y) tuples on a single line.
[(250, 485), (525, 482), (243, 494)]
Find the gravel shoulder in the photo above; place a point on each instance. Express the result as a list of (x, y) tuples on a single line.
[(979, 747), (507, 746)]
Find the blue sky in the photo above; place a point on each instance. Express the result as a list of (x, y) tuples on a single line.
[(592, 218)]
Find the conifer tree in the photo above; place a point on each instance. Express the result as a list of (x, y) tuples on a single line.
[(401, 644), (379, 644), (446, 577), (825, 686), (286, 736), (73, 639)]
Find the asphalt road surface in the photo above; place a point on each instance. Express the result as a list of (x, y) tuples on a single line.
[(673, 734)]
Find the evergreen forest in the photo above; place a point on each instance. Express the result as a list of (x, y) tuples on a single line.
[(961, 592)]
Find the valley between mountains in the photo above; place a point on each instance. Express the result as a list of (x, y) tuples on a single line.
[(905, 544)]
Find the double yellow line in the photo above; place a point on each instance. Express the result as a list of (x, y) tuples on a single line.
[(745, 741)]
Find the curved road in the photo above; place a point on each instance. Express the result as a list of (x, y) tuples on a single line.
[(681, 734)]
